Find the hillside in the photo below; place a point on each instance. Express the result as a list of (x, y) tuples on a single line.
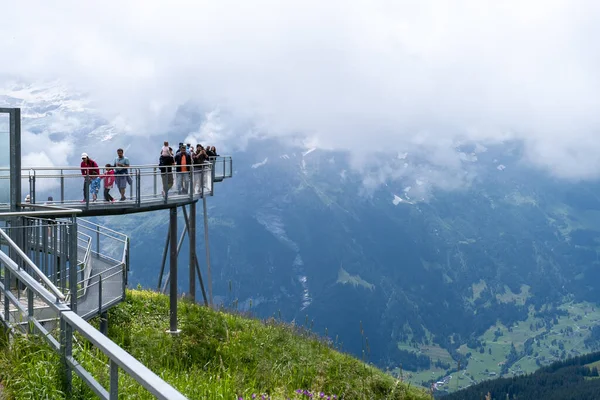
[(575, 378), (217, 355)]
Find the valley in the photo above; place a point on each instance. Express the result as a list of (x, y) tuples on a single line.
[(538, 341)]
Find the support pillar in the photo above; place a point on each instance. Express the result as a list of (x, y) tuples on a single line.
[(192, 240), (173, 271), (209, 275), (104, 323)]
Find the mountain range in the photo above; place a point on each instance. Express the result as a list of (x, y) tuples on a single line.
[(372, 253)]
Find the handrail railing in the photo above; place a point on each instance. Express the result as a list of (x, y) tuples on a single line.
[(39, 274), (143, 184), (111, 251), (72, 322)]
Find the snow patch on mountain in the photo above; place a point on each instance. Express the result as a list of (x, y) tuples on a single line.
[(307, 152), (260, 164), (298, 266)]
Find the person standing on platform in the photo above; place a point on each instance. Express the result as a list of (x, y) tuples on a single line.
[(90, 172), (165, 162), (199, 158), (122, 173), (184, 164), (109, 179)]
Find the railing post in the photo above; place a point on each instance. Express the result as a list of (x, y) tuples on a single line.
[(6, 300), (99, 294), (114, 381), (138, 186), (191, 182), (32, 196), (66, 350), (87, 190), (73, 263), (97, 241), (155, 183), (130, 186), (30, 186), (62, 187), (126, 265), (30, 310)]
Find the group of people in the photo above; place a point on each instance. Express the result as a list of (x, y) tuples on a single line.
[(117, 172), (186, 161)]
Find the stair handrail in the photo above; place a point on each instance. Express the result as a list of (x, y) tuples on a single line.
[(117, 355), (39, 274)]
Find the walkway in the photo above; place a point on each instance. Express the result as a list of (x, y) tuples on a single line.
[(143, 193)]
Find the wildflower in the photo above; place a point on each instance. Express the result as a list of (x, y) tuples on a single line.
[(321, 394)]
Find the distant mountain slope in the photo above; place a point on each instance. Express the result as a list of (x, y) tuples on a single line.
[(389, 247), (575, 378), (294, 233)]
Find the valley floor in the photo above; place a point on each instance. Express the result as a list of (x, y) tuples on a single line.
[(563, 337)]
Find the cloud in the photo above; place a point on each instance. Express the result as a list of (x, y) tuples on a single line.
[(368, 75)]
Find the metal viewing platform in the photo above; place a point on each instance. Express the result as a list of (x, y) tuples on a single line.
[(58, 270)]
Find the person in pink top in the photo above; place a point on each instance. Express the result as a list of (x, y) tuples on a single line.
[(109, 180)]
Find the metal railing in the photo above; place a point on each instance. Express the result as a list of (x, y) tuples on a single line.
[(142, 184), (108, 259), (222, 167), (22, 317)]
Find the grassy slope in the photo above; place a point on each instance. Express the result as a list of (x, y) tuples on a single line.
[(217, 355)]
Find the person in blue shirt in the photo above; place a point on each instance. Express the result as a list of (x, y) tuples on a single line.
[(121, 173)]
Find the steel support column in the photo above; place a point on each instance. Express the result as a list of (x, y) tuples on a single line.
[(173, 272), (209, 275), (192, 239)]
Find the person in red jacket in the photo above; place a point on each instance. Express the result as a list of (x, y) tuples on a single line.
[(109, 180), (90, 172)]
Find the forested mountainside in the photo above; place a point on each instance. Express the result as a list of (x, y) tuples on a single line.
[(574, 378)]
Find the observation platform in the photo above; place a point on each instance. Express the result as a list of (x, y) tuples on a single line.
[(144, 191)]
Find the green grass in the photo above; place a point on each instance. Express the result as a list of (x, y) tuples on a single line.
[(216, 356)]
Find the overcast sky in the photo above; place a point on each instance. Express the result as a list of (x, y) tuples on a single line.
[(385, 75)]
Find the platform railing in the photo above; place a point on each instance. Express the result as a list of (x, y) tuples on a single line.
[(222, 167), (112, 249), (144, 184), (22, 318)]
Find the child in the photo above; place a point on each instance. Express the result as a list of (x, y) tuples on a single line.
[(109, 179), (165, 150)]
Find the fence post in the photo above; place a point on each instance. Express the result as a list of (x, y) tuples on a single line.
[(114, 381), (62, 187)]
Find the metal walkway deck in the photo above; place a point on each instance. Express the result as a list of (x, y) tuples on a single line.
[(148, 189)]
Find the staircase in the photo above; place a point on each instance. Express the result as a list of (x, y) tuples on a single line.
[(101, 258)]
